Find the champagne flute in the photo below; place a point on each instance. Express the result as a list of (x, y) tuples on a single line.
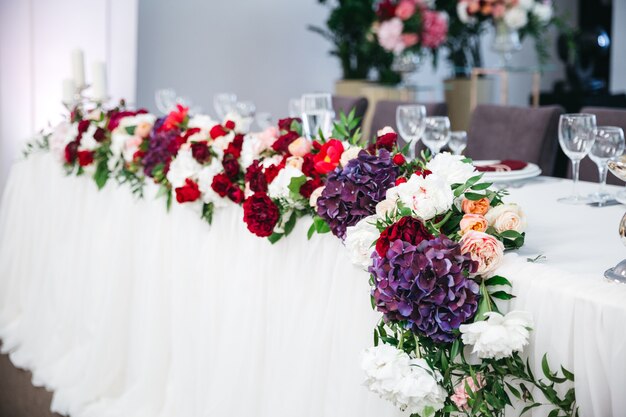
[(609, 143), (317, 114), (224, 103), (576, 137), (436, 133), (410, 122), (458, 142)]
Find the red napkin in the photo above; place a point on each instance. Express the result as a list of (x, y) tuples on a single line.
[(503, 166)]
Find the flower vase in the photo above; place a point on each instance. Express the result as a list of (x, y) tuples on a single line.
[(406, 64), (506, 42)]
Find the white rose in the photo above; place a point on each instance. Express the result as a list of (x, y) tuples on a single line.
[(220, 144), (426, 197), (498, 336), (205, 179), (349, 154), (251, 149), (87, 141), (543, 12), (203, 122), (279, 187), (359, 241), (506, 217), (384, 131), (62, 134), (451, 168), (182, 167), (526, 4), (242, 124), (315, 195), (516, 18)]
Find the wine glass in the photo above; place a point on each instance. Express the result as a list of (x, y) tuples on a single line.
[(245, 109), (410, 122), (165, 100), (576, 137), (224, 103), (436, 133), (264, 120), (458, 142), (609, 143), (295, 107), (317, 114)]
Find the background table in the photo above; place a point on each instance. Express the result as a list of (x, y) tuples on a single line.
[(123, 309)]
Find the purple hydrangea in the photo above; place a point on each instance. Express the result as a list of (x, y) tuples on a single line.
[(426, 286), (352, 193), (159, 151)]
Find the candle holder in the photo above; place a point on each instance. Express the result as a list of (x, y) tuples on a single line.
[(618, 272)]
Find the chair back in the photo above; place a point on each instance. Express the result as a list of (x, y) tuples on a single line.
[(524, 133)]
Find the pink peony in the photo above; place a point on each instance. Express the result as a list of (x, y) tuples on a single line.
[(484, 249), (461, 396), (405, 9), (300, 147), (435, 29), (390, 35)]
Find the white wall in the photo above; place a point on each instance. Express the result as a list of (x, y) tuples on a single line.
[(36, 39)]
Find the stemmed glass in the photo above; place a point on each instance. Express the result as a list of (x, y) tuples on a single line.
[(458, 142), (576, 137), (224, 103), (609, 143), (317, 114), (295, 107), (410, 121), (436, 133)]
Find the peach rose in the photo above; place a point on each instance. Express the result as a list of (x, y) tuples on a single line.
[(473, 222), (475, 207), (295, 161), (315, 195), (300, 147), (405, 9), (506, 217), (143, 129), (484, 249)]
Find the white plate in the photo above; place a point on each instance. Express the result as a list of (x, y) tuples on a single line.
[(530, 171)]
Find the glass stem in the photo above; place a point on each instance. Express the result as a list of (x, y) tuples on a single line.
[(575, 174), (602, 171), (412, 146)]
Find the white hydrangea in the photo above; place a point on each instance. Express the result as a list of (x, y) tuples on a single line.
[(426, 197), (359, 241), (205, 179), (408, 383), (498, 336), (251, 149), (516, 18), (203, 122), (182, 167), (451, 168), (62, 134)]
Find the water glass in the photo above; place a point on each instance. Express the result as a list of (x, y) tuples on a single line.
[(410, 122), (576, 137), (224, 103), (317, 114), (436, 133), (458, 142), (295, 107), (609, 143)]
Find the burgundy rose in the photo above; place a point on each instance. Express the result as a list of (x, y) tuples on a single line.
[(116, 116), (256, 178), (386, 10), (71, 150), (234, 148), (231, 166), (236, 194), (260, 214), (387, 141), (282, 143), (99, 135), (272, 171), (285, 124), (188, 192), (83, 125), (200, 151), (175, 145), (308, 165), (221, 184), (407, 229), (84, 158), (230, 125), (308, 187)]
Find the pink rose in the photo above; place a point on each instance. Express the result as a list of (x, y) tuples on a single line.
[(410, 39), (461, 396), (299, 147), (473, 222), (405, 9), (435, 29), (390, 35), (268, 137), (484, 249)]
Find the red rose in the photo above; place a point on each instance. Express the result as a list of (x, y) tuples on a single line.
[(256, 178), (407, 229), (308, 165), (308, 187), (175, 144), (83, 125), (99, 135), (70, 152), (116, 116), (328, 157), (188, 192), (191, 132), (399, 159), (400, 180), (175, 118), (231, 166), (84, 158), (386, 10), (423, 173), (200, 152), (260, 214), (282, 143), (230, 125), (221, 184), (234, 148), (236, 194), (217, 131), (285, 124), (272, 171), (138, 155), (387, 141)]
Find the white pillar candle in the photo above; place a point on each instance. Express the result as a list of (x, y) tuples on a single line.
[(69, 90), (99, 81), (78, 68)]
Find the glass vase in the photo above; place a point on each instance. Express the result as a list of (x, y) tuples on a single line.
[(406, 64), (505, 42)]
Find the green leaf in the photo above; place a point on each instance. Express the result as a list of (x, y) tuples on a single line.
[(497, 280), (101, 176), (528, 408), (294, 187), (569, 375), (207, 212), (511, 234), (481, 186), (130, 130), (502, 295), (513, 390), (548, 373), (474, 196), (290, 223), (274, 237), (310, 232)]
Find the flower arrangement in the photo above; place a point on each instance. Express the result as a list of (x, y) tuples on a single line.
[(429, 231)]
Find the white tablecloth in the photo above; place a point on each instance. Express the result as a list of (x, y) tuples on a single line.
[(125, 310)]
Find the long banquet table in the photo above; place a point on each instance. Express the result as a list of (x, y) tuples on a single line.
[(125, 310)]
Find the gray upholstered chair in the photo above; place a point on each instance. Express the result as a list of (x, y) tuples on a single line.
[(524, 133), (346, 104), (604, 117)]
